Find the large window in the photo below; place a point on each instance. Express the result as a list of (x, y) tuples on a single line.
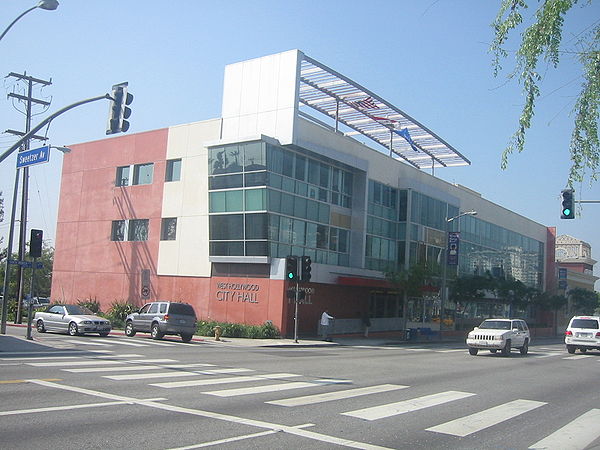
[(122, 176), (134, 230), (168, 230), (142, 174), (173, 170), (118, 230)]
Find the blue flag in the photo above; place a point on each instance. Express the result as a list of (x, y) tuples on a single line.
[(406, 135)]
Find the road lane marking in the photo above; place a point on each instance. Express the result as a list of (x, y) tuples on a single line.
[(69, 407), (74, 363), (578, 357), (208, 382), (394, 409), (484, 419), (143, 376), (238, 438), (452, 350), (132, 368), (77, 342), (577, 434), (25, 381), (271, 388), (338, 395), (121, 342), (217, 416)]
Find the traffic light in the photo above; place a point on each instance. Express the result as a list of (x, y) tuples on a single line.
[(291, 268), (568, 210), (35, 243), (306, 263), (118, 111)]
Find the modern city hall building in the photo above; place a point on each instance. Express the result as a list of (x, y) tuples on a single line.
[(207, 212)]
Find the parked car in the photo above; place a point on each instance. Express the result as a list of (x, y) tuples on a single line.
[(40, 301), (583, 333), (72, 319), (499, 334), (161, 318)]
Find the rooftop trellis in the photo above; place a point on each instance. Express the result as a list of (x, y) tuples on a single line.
[(347, 102)]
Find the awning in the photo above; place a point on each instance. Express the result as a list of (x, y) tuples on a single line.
[(367, 114)]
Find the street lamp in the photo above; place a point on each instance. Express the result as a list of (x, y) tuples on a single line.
[(444, 293), (48, 5)]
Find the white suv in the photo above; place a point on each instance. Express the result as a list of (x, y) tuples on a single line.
[(583, 333), (499, 334)]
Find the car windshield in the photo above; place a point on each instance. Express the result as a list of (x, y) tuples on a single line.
[(585, 323), (495, 325), (181, 309), (77, 310)]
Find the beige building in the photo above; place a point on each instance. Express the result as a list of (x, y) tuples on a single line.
[(575, 256)]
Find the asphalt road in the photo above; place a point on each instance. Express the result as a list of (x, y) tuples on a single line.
[(118, 392)]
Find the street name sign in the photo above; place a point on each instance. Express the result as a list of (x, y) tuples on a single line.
[(31, 157)]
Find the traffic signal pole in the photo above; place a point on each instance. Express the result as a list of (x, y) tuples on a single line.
[(296, 315)]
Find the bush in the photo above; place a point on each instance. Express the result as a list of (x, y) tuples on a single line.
[(92, 305), (118, 311), (237, 330)]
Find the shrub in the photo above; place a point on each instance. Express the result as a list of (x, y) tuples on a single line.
[(268, 330), (118, 312), (92, 305)]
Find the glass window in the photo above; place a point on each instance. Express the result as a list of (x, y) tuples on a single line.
[(343, 238), (215, 160), (168, 229), (173, 171), (234, 201), (324, 171), (274, 200), (122, 176), (254, 156), (227, 248), (138, 230), (216, 201), (288, 164), (285, 230), (142, 173), (302, 189), (153, 308), (287, 204), (274, 159), (256, 199), (118, 230), (322, 236), (288, 184), (312, 211), (299, 228), (300, 173), (255, 179), (232, 158), (323, 213), (226, 227), (300, 207), (273, 227), (225, 182), (256, 226), (257, 248), (311, 235), (313, 171), (163, 308), (333, 239)]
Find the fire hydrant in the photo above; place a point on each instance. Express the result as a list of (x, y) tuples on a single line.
[(218, 331)]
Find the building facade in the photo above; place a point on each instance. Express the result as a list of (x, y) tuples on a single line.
[(207, 212), (574, 257)]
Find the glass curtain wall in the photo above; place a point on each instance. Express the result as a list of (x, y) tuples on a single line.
[(266, 200)]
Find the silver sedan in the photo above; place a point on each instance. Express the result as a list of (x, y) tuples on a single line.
[(72, 319)]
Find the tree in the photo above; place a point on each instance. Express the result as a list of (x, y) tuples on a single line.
[(584, 301), (550, 302), (541, 43)]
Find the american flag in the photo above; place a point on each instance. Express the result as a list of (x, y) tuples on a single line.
[(367, 103)]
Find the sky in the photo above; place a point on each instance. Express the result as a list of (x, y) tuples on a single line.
[(429, 58)]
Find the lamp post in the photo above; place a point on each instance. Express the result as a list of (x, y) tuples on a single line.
[(444, 292), (48, 5)]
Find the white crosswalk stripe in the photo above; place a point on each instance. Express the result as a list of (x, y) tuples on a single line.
[(336, 395), (393, 409), (86, 342), (96, 362), (578, 357), (265, 388), (575, 435), (484, 419), (135, 367), (142, 376), (212, 381), (118, 341)]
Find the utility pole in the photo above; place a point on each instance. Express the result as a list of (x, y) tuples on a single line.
[(29, 100)]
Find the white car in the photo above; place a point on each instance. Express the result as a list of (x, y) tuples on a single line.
[(499, 334), (72, 319), (583, 333)]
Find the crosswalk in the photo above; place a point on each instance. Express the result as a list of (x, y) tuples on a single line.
[(228, 382)]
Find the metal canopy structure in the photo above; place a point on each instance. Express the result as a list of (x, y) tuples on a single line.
[(347, 102)]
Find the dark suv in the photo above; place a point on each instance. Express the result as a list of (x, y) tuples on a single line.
[(160, 318)]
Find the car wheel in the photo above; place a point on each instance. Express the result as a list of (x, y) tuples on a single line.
[(473, 351), (525, 347), (506, 349), (73, 329), (155, 332), (104, 334), (571, 348), (185, 337), (583, 350), (493, 350), (129, 330), (40, 326)]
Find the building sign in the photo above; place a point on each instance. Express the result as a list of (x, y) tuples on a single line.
[(562, 273), (237, 292), (452, 250), (145, 292)]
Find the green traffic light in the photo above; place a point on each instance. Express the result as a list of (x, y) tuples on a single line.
[(290, 275), (567, 212)]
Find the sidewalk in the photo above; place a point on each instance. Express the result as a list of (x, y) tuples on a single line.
[(16, 344)]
